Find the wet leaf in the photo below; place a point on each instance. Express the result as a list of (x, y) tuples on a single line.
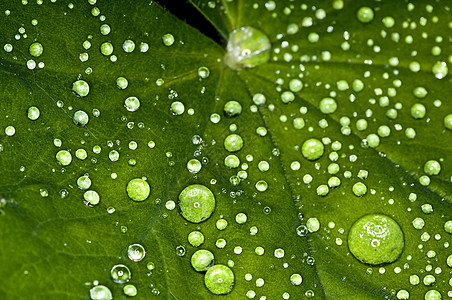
[(120, 123)]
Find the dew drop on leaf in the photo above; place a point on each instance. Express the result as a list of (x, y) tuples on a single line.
[(100, 292), (64, 157), (168, 39), (196, 238), (219, 279), (312, 149), (138, 189), (91, 198), (132, 104), (80, 118), (247, 47), (10, 130), (106, 48), (128, 46), (376, 239), (232, 108), (130, 290), (136, 252), (365, 14), (120, 273), (203, 72), (84, 182), (201, 260), (233, 142), (197, 203), (122, 83), (177, 108), (36, 49), (194, 166), (80, 88)]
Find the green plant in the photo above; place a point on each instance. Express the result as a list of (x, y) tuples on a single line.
[(116, 115)]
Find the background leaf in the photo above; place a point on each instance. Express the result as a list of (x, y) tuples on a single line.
[(54, 246)]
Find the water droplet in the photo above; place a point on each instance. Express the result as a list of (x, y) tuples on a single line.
[(196, 238), (33, 113), (448, 226), (287, 97), (247, 47), (80, 118), (132, 104), (359, 189), (433, 295), (128, 46), (130, 290), (296, 279), (313, 224), (64, 157), (84, 182), (365, 14), (138, 189), (261, 186), (91, 198), (136, 252), (81, 154), (432, 167), (328, 105), (376, 239), (44, 193), (221, 224), (233, 142), (10, 130), (241, 218), (232, 108), (150, 265), (113, 155), (279, 253), (122, 83), (232, 161), (106, 48), (177, 108), (440, 70), (312, 149), (36, 49), (220, 243), (201, 260), (80, 88), (100, 292), (203, 72), (120, 273), (168, 39), (194, 166), (219, 279), (180, 250), (197, 203), (418, 111)]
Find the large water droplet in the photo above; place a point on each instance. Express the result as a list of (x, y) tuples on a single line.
[(36, 49), (138, 189), (80, 88), (376, 239), (197, 203), (100, 292), (136, 252), (120, 273), (219, 279), (365, 14), (130, 290), (312, 149), (201, 260), (247, 47)]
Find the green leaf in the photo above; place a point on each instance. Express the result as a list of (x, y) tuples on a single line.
[(58, 242)]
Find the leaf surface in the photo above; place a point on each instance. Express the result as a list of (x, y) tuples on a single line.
[(54, 246)]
